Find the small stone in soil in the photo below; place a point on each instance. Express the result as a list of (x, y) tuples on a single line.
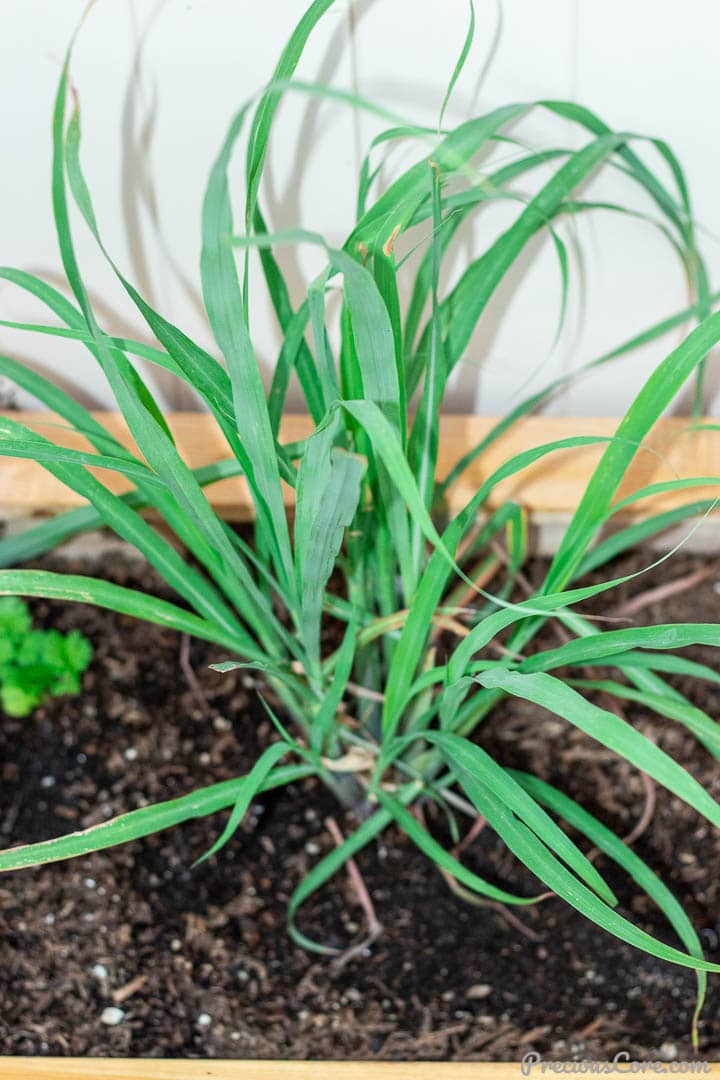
[(112, 1016), (99, 971), (204, 1020), (479, 991)]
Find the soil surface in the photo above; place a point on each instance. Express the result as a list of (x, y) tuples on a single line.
[(198, 962)]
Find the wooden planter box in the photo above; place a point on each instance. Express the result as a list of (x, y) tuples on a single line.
[(203, 1069), (160, 1069), (549, 491)]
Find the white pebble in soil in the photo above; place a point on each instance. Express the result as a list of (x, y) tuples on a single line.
[(204, 1020), (99, 971), (112, 1016)]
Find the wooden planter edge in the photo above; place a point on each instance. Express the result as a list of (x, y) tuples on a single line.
[(549, 489), (204, 1069)]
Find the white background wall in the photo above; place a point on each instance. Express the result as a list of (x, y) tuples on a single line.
[(158, 83)]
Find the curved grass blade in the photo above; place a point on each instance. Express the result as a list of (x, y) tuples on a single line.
[(462, 755), (16, 441), (442, 858), (328, 492), (539, 860), (253, 783), (668, 663), (86, 590), (640, 872), (705, 730), (265, 112), (653, 398), (457, 70), (608, 729), (599, 648), (228, 318), (531, 403), (465, 304), (143, 822), (119, 515), (39, 539), (210, 539), (331, 863), (635, 534)]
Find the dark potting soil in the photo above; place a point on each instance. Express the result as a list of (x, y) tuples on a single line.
[(198, 962)]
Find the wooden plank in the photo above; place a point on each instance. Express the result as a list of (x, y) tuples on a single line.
[(204, 1069), (553, 485)]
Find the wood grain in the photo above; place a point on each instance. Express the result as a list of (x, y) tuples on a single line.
[(158, 1069), (553, 485)]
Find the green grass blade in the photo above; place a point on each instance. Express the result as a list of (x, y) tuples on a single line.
[(442, 858), (39, 539), (294, 353), (210, 537), (696, 721), (334, 861), (119, 515), (668, 663), (425, 431), (639, 871), (328, 492), (532, 402), (396, 207), (600, 648), (265, 112), (86, 590), (465, 304), (254, 782), (228, 319), (540, 861), (143, 822), (634, 535), (608, 729), (325, 718), (462, 755), (457, 70), (656, 394)]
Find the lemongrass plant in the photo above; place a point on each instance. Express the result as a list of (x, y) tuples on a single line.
[(369, 507)]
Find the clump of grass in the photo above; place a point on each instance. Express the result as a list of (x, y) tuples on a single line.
[(36, 664), (384, 719)]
